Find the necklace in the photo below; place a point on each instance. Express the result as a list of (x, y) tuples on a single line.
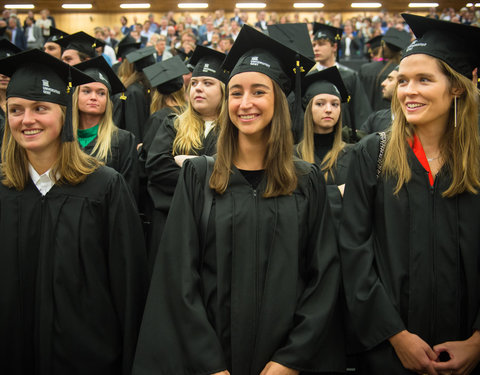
[(432, 159)]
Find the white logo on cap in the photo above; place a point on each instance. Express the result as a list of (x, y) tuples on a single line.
[(102, 77), (47, 90), (415, 44), (254, 61), (206, 69)]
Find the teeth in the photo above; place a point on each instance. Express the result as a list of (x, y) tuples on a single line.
[(414, 105), (31, 132), (247, 117)]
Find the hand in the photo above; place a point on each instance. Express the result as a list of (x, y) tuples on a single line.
[(179, 159), (464, 355), (342, 189), (414, 353), (274, 368)]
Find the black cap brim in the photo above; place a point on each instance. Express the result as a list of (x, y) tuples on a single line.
[(165, 71), (326, 81), (81, 42), (100, 71), (208, 62)]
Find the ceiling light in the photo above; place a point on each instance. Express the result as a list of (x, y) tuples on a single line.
[(250, 5), (77, 6), (366, 5), (308, 5), (423, 5), (135, 6), (193, 5), (19, 6)]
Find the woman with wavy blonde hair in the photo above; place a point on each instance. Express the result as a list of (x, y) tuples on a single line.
[(409, 234), (194, 132), (72, 258), (247, 275), (92, 118)]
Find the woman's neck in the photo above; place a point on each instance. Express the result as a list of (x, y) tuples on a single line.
[(88, 121), (250, 153), (430, 136), (44, 161)]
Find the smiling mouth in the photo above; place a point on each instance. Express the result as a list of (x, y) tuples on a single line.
[(414, 105), (31, 132), (247, 117)]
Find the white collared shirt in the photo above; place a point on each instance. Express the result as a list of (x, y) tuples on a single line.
[(43, 182), (208, 126)]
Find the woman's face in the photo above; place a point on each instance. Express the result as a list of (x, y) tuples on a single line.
[(423, 91), (36, 126), (205, 96), (251, 102), (92, 98), (326, 110)]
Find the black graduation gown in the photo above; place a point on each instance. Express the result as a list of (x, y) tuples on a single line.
[(371, 81), (123, 158), (264, 288), (134, 112), (163, 173), (2, 120), (73, 278), (410, 261), (378, 121)]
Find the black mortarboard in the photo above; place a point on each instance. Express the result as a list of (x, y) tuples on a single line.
[(81, 42), (208, 62), (167, 76), (2, 32), (126, 45), (253, 51), (100, 71), (293, 35), (35, 75), (375, 42), (142, 58), (327, 81), (55, 35), (185, 58), (396, 38), (454, 43), (8, 49), (322, 31)]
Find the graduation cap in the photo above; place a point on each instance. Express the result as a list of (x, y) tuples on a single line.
[(327, 81), (35, 75), (293, 35), (167, 76), (81, 42), (375, 42), (322, 31), (126, 45), (99, 70), (455, 44), (142, 58), (396, 38), (2, 32), (208, 62), (55, 35), (8, 49), (183, 55)]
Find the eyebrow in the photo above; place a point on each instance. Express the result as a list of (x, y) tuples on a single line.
[(255, 85), (423, 74)]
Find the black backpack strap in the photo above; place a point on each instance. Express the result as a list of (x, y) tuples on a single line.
[(381, 152)]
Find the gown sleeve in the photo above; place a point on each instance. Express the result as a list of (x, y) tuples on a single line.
[(161, 169), (189, 345), (128, 161), (373, 316), (316, 339), (127, 266)]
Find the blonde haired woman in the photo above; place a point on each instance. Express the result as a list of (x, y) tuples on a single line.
[(250, 284), (72, 261), (192, 133), (409, 232), (92, 117), (322, 143)]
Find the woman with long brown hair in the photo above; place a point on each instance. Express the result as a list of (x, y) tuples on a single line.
[(409, 232), (72, 258), (247, 275)]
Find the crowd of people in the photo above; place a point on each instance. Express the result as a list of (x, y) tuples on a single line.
[(218, 197)]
